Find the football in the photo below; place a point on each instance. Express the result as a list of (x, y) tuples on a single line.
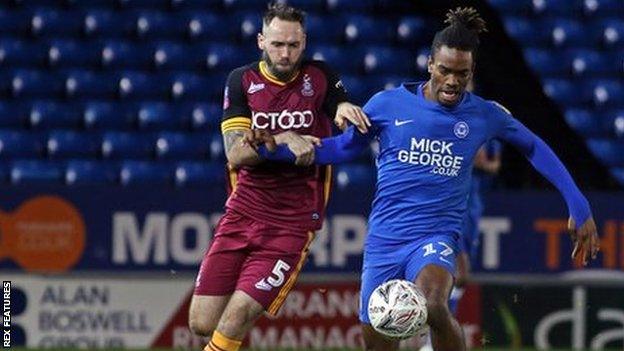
[(397, 309)]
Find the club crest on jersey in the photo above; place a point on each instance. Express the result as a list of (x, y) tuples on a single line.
[(461, 129), (307, 89)]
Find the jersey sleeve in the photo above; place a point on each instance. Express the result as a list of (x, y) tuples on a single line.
[(236, 113), (336, 92), (543, 160)]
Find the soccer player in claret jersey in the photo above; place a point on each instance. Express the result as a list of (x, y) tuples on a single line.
[(273, 208), (429, 133)]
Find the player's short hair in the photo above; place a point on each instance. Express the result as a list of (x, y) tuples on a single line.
[(462, 31), (283, 12)]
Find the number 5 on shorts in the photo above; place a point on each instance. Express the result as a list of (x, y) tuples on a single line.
[(277, 275)]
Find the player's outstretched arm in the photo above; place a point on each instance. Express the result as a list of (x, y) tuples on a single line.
[(347, 111), (338, 149), (541, 156)]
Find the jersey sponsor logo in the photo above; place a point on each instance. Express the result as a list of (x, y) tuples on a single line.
[(254, 88), (340, 85), (307, 89), (435, 153), (283, 120), (398, 122), (461, 129)]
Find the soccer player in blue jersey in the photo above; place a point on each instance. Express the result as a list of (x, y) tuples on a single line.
[(429, 133)]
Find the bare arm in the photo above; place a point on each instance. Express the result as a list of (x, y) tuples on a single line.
[(239, 154)]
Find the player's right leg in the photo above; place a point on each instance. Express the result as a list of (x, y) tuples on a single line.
[(218, 274), (436, 283)]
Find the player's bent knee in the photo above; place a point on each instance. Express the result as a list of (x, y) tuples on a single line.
[(201, 327), (205, 312)]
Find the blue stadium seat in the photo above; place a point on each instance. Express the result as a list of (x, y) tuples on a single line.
[(324, 29), (69, 53), (388, 60), (600, 8), (245, 5), (201, 116), (25, 172), (20, 53), (610, 32), (51, 23), (125, 145), (189, 86), (108, 116), (13, 114), (354, 176), (567, 32), (564, 92), (618, 174), (394, 6), (216, 147), (568, 8), (89, 4), (87, 84), (19, 144), (139, 85), (182, 146), (50, 114), (196, 4), (145, 173), (248, 25), (547, 63), (348, 6), (168, 55), (617, 123), (422, 59), (309, 6), (589, 63), (154, 24), (203, 26), (336, 58), (144, 4), (527, 32), (585, 122), (35, 84), (89, 172), (158, 116), (414, 30), (121, 54), (357, 91), (14, 22), (608, 151), (199, 174), (365, 29), (103, 24), (64, 144), (222, 57), (512, 7), (606, 92)]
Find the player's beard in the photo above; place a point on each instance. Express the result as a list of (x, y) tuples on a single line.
[(283, 76)]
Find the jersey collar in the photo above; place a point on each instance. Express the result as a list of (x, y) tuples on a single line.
[(264, 70)]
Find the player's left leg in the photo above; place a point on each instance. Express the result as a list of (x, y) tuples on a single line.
[(431, 266), (436, 283)]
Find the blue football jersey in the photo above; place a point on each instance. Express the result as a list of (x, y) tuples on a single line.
[(425, 159)]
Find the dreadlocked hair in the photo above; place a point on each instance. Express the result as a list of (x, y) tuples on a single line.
[(462, 30)]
